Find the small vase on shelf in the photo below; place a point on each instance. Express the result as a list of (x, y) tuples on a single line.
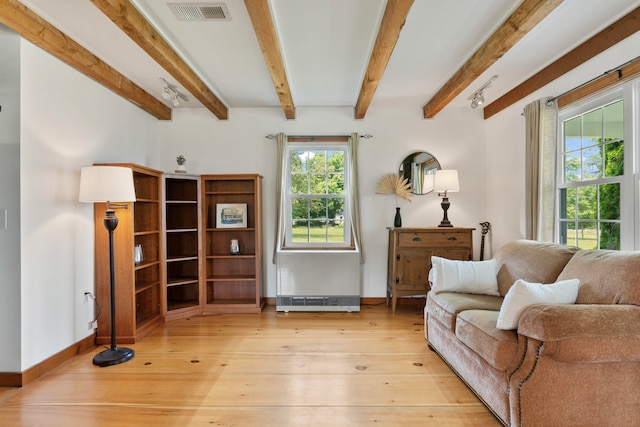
[(397, 221)]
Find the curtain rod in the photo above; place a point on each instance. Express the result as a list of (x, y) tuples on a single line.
[(365, 136), (617, 69)]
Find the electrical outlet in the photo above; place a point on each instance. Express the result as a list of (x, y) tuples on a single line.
[(94, 324), (3, 219)]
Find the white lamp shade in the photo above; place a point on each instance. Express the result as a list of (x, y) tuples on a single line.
[(446, 180), (106, 184)]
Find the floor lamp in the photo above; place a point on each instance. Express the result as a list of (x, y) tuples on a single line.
[(109, 184)]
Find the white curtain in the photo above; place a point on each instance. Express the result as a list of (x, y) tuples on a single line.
[(281, 179), (354, 202), (541, 121)]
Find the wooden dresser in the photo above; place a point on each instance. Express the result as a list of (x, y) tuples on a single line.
[(410, 251)]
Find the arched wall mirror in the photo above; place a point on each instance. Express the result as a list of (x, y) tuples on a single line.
[(419, 168)]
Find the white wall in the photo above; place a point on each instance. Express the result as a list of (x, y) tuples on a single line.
[(67, 121), (456, 137), (505, 179), (10, 200)]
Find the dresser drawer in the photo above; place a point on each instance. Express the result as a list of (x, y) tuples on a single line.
[(434, 239)]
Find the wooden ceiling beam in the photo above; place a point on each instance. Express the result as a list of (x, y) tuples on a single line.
[(614, 33), (529, 14), (134, 24), (262, 22), (395, 15), (32, 27)]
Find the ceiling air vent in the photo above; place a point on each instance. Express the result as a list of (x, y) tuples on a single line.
[(200, 11)]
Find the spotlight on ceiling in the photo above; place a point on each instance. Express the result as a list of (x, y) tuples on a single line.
[(171, 93), (166, 93), (477, 98)]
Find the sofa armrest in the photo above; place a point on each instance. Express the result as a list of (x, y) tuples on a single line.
[(585, 333), (559, 322)]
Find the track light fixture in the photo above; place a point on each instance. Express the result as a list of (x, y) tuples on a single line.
[(477, 98), (170, 93)]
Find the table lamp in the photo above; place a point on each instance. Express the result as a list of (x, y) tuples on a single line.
[(446, 181)]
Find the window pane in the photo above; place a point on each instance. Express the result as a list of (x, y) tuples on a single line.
[(587, 202), (610, 201), (336, 232), (568, 203), (572, 167), (317, 161), (613, 121), (335, 208), (318, 232), (299, 208), (299, 184), (572, 133), (335, 183), (614, 159), (318, 209), (591, 163), (587, 235), (318, 184), (592, 128), (300, 231), (610, 235), (336, 161), (297, 161)]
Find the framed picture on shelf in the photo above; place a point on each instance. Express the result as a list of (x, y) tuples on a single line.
[(231, 215)]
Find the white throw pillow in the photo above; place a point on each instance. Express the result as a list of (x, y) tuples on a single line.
[(473, 277), (524, 294)]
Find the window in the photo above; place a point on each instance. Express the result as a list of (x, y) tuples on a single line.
[(592, 172), (317, 195)]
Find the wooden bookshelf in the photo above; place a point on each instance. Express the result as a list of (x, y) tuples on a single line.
[(233, 282), (182, 245)]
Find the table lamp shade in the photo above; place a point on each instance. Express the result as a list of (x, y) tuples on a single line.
[(446, 180), (106, 184)]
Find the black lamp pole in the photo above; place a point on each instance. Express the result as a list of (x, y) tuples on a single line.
[(114, 354)]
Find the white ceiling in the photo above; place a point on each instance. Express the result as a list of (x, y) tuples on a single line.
[(326, 46)]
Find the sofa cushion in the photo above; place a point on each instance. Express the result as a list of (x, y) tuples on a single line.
[(446, 305), (606, 277), (477, 330), (474, 277), (524, 294), (522, 259)]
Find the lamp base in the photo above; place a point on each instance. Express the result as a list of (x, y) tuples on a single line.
[(445, 207), (113, 356)]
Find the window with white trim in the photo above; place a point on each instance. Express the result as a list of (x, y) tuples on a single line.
[(594, 166), (317, 194)]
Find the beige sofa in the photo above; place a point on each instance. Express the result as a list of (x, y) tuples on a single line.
[(565, 365)]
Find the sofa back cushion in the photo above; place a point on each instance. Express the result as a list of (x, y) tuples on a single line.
[(606, 277), (535, 262)]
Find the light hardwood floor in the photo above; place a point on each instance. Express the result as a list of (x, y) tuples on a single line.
[(270, 369)]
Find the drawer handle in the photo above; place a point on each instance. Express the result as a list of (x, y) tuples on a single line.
[(452, 238), (417, 239)]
